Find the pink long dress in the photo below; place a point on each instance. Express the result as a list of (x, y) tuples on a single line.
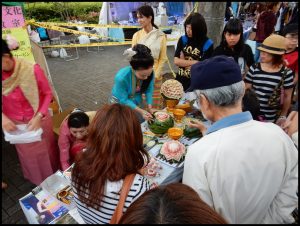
[(38, 159)]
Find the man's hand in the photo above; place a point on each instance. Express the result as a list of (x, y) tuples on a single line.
[(199, 125)]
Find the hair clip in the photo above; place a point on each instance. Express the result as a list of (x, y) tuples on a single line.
[(76, 110), (129, 53)]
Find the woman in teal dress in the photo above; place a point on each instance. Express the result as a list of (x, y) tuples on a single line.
[(136, 80)]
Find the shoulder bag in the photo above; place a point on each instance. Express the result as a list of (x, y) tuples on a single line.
[(276, 99), (124, 192)]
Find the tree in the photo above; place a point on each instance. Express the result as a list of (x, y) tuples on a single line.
[(213, 12)]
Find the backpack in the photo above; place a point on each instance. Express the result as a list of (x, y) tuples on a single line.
[(42, 33), (206, 45)]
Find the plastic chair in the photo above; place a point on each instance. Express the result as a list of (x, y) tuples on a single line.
[(94, 39)]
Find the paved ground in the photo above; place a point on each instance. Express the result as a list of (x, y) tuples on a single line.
[(85, 83)]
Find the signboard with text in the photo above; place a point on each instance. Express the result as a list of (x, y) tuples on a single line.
[(21, 35), (13, 24), (12, 16)]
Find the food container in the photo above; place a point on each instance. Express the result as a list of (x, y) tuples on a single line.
[(178, 114), (171, 105), (175, 133), (186, 107)]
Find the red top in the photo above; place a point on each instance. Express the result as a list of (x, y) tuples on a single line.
[(16, 107), (291, 60)]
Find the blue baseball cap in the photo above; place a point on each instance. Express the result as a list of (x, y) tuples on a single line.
[(214, 72)]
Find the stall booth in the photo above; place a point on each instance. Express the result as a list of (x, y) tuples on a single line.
[(169, 16)]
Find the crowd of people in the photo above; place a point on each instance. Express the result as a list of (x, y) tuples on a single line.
[(243, 170)]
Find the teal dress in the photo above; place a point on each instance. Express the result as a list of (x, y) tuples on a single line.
[(122, 89)]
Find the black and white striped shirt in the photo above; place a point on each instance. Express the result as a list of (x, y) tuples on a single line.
[(264, 83), (106, 209)]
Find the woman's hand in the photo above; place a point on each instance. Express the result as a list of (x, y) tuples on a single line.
[(199, 125), (7, 124), (146, 115), (35, 122)]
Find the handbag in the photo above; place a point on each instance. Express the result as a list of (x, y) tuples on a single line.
[(276, 99), (124, 192)]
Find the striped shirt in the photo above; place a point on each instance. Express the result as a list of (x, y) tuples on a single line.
[(110, 200), (264, 83)]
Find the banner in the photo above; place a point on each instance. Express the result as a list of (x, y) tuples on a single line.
[(12, 16), (13, 24), (21, 35)]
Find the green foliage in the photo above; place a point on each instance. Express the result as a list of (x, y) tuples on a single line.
[(59, 11)]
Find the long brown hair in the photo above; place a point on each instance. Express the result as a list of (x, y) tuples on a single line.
[(114, 150), (171, 204)]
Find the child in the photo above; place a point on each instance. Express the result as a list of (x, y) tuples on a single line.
[(251, 104), (193, 47), (72, 137), (233, 45)]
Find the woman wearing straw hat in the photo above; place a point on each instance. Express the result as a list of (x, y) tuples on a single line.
[(265, 78)]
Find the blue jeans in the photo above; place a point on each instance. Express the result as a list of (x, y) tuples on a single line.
[(257, 52)]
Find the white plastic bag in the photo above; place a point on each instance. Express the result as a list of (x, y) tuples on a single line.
[(54, 53), (22, 135), (63, 53), (34, 36), (82, 29), (84, 39)]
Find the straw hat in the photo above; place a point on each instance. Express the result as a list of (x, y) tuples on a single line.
[(274, 44)]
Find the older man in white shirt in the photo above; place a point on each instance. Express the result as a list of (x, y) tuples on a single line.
[(246, 170)]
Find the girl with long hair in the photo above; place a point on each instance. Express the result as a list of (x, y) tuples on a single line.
[(114, 149), (191, 48), (232, 45)]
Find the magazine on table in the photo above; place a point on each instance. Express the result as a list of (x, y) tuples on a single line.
[(43, 207), (52, 202)]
